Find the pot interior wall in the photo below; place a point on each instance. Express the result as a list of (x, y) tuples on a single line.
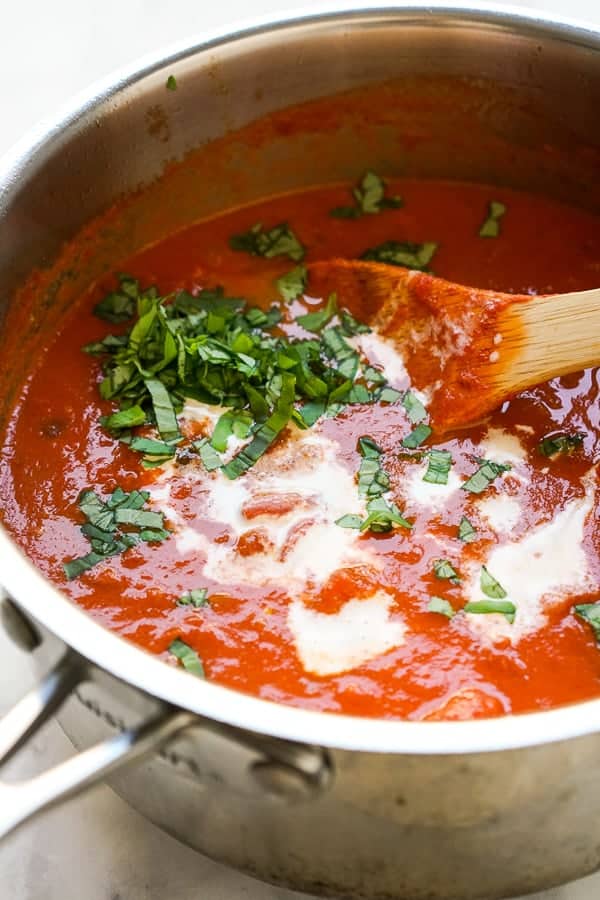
[(477, 100)]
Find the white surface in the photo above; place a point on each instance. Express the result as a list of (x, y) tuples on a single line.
[(96, 848)]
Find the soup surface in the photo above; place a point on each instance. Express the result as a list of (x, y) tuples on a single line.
[(305, 537)]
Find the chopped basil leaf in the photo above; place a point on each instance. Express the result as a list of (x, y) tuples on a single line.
[(125, 418), (349, 521), (197, 597), (505, 607), (237, 424), (402, 253), (277, 241), (293, 283), (369, 197), (171, 83), (153, 448), (487, 472), (444, 570), (415, 410), (102, 526), (383, 516), (316, 321), (187, 657), (466, 532), (419, 434), (388, 395), (489, 585), (266, 433), (491, 226), (351, 326), (368, 449), (590, 613), (119, 305), (312, 411), (209, 456), (166, 420), (440, 462), (439, 605), (562, 443)]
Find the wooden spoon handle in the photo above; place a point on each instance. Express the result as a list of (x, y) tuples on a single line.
[(547, 336)]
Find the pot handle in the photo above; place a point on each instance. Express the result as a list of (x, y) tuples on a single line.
[(21, 800)]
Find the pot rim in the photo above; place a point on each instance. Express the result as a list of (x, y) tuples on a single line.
[(107, 650)]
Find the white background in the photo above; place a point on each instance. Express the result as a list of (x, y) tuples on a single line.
[(96, 848)]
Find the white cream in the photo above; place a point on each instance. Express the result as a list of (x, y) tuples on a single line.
[(502, 447), (424, 494), (381, 352), (328, 644), (535, 572), (501, 511), (302, 544)]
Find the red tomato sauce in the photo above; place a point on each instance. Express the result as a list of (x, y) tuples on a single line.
[(55, 447)]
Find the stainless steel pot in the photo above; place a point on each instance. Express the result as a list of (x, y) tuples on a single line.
[(322, 803)]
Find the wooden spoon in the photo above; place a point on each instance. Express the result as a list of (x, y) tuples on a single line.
[(470, 349)]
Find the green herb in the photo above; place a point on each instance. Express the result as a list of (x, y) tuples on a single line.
[(383, 517), (419, 434), (164, 413), (561, 443), (487, 472), (466, 531), (197, 597), (316, 321), (489, 585), (372, 479), (440, 462), (590, 613), (188, 657), (277, 241), (152, 447), (125, 418), (293, 283), (119, 305), (369, 197), (387, 395), (216, 350), (491, 226), (350, 520), (414, 408), (402, 253), (439, 605), (209, 456), (444, 570), (505, 607), (266, 433), (103, 526), (237, 424), (171, 83)]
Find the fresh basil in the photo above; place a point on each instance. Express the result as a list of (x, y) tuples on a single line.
[(439, 605), (504, 607), (293, 284), (316, 321), (277, 241), (560, 444), (466, 531), (402, 253), (414, 408), (491, 226), (438, 467), (188, 657), (487, 472), (589, 613), (444, 570), (197, 598), (369, 198), (489, 585), (418, 435)]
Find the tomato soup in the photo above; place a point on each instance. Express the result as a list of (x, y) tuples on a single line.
[(238, 476)]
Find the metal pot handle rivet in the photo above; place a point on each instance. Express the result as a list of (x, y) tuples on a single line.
[(19, 801)]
